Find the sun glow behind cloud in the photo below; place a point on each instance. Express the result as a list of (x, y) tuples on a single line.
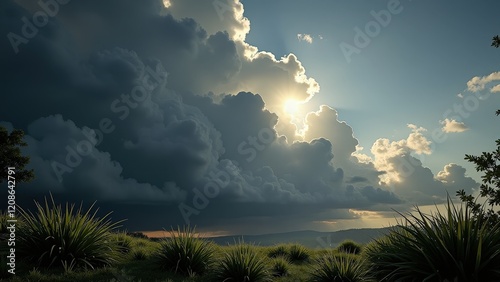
[(291, 107), (259, 94), (166, 3), (293, 112)]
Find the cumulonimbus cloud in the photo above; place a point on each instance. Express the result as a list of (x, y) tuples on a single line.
[(215, 125)]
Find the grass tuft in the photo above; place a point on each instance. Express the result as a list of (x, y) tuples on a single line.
[(185, 253), (298, 253), (451, 246), (349, 247), (67, 237), (340, 268), (123, 242), (139, 254), (280, 266), (242, 263), (278, 250)]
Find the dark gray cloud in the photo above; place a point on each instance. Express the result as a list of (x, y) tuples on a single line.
[(165, 122)]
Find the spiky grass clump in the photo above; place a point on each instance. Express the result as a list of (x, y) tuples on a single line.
[(122, 241), (339, 268), (280, 266), (139, 254), (451, 246), (242, 263), (298, 253), (68, 237), (278, 250), (185, 253), (349, 247)]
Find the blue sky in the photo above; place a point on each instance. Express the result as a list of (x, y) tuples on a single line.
[(248, 117), (411, 72)]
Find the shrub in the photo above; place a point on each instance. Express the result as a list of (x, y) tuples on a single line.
[(276, 251), (139, 235), (185, 253), (66, 237), (340, 268), (241, 263), (280, 266), (451, 246), (349, 247), (298, 253)]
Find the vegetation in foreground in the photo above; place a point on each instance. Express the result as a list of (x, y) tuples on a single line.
[(66, 237), (185, 253), (450, 246), (454, 245)]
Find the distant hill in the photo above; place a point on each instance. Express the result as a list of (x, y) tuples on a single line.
[(308, 238)]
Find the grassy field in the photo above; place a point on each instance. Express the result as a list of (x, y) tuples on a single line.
[(65, 243), (139, 263)]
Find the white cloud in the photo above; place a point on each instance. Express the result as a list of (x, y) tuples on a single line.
[(214, 16), (451, 125), (495, 89), (479, 83), (455, 174), (460, 95), (305, 37), (417, 141), (387, 154)]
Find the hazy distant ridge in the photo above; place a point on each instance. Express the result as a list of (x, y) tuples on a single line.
[(308, 238)]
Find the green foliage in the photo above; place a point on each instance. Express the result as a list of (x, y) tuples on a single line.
[(137, 235), (185, 253), (67, 237), (298, 253), (122, 241), (10, 155), (278, 250), (340, 268), (350, 247), (489, 164), (242, 263), (280, 266), (495, 41), (139, 254), (436, 247)]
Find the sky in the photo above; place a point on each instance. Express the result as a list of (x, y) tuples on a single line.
[(250, 117)]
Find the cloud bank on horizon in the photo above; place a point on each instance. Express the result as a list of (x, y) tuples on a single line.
[(162, 111)]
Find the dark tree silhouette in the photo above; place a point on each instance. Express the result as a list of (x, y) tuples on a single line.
[(10, 155), (489, 164), (496, 41)]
